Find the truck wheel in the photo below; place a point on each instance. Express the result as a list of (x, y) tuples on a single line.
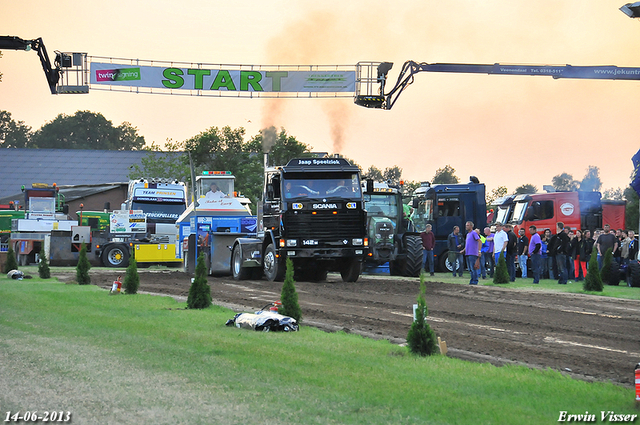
[(634, 274), (273, 268), (413, 264), (115, 256), (351, 271), (239, 272), (443, 262)]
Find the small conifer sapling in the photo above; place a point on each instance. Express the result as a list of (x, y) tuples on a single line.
[(12, 263), (421, 338), (593, 280), (200, 291), (131, 278), (43, 266), (82, 269), (289, 296), (501, 274)]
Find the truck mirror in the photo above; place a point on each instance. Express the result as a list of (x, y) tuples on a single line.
[(65, 209), (415, 203), (270, 191), (369, 185), (530, 213)]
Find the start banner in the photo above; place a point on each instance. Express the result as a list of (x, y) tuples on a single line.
[(217, 78)]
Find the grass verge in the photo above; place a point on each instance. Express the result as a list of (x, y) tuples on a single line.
[(141, 358), (621, 291)]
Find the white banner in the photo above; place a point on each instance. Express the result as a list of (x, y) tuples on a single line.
[(123, 221), (219, 79)]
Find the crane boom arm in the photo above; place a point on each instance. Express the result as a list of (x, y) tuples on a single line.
[(16, 43), (410, 68)]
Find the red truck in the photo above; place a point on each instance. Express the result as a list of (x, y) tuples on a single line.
[(578, 210)]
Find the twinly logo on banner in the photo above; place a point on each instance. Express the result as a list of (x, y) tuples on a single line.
[(124, 221), (223, 80)]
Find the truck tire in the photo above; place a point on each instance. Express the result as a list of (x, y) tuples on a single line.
[(413, 263), (273, 268), (634, 274), (238, 272), (443, 262), (351, 270), (115, 256)]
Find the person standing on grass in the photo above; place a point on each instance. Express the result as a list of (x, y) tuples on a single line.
[(585, 251), (500, 240), (577, 244), (522, 249), (633, 246), (512, 246), (487, 254), (535, 246), (605, 241), (561, 247), (428, 243), (472, 249), (456, 246)]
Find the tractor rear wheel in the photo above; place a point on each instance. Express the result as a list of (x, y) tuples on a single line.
[(634, 274), (413, 263)]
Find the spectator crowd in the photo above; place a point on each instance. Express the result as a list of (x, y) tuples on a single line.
[(562, 256)]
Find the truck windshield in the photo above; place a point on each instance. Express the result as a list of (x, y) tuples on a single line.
[(502, 214), (160, 213), (347, 187), (518, 211), (382, 205), (422, 214)]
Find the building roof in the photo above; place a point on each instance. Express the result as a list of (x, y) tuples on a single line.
[(65, 167)]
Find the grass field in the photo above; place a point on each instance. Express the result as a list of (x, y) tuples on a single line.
[(145, 359), (620, 291)]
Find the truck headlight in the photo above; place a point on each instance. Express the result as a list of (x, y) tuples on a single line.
[(292, 242), (357, 241)]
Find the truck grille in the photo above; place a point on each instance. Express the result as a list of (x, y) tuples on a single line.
[(324, 225)]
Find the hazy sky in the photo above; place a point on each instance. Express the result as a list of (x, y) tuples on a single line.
[(507, 130)]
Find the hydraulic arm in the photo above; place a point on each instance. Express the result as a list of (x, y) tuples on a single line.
[(410, 68), (16, 43)]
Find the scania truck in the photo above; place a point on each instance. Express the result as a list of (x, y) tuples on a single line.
[(312, 213)]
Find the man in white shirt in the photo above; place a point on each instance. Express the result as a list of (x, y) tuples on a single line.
[(500, 242)]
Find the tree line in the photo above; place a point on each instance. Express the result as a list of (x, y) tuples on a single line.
[(82, 130), (226, 149)]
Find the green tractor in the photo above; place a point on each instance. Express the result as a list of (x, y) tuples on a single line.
[(392, 237)]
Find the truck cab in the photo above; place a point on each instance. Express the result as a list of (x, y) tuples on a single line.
[(447, 205), (211, 223), (578, 210), (311, 212), (392, 238)]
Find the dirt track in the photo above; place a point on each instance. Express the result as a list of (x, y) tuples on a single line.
[(590, 337)]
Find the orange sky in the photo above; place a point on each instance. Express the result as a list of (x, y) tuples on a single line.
[(507, 130)]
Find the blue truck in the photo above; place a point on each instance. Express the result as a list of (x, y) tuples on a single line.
[(447, 205)]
